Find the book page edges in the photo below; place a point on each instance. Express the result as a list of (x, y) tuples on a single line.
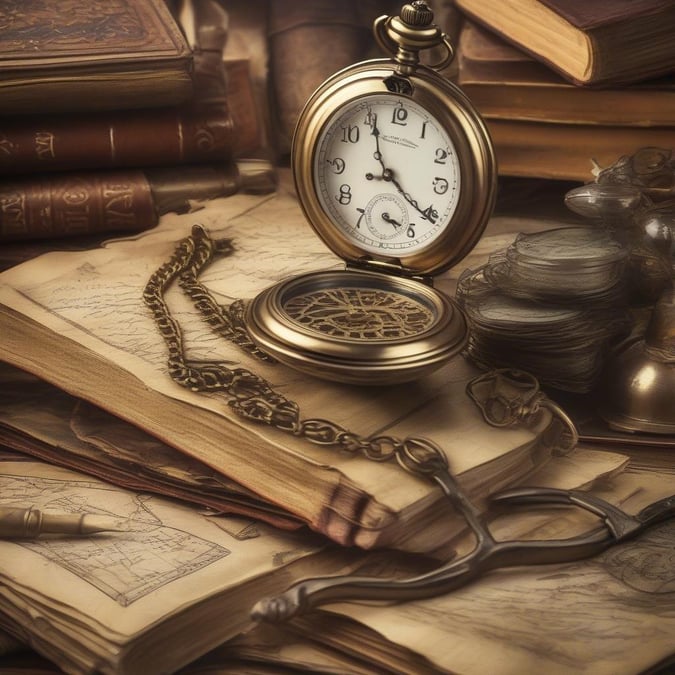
[(96, 91), (334, 505), (539, 31), (567, 151)]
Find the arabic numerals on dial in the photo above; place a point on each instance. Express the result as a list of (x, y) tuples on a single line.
[(344, 196), (421, 130), (388, 164), (349, 134), (337, 165), (440, 185)]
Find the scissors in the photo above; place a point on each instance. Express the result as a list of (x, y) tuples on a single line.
[(488, 553)]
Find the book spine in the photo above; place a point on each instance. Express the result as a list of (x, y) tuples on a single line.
[(308, 41), (75, 204), (139, 138)]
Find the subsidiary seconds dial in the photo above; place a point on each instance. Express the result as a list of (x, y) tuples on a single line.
[(395, 171), (387, 174)]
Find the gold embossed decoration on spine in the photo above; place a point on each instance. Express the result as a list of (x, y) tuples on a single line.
[(76, 203)]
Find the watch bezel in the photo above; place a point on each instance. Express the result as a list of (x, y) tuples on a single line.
[(452, 109), (356, 360)]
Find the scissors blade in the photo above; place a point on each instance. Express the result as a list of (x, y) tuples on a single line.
[(620, 525), (658, 511)]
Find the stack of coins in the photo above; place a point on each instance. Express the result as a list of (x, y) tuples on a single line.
[(551, 304)]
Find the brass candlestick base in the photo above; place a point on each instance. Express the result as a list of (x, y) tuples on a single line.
[(639, 387)]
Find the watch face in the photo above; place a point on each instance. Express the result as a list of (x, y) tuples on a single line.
[(387, 174)]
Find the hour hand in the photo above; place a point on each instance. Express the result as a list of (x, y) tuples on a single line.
[(387, 175), (372, 120), (392, 221)]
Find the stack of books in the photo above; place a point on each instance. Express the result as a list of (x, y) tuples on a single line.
[(182, 577), (114, 356), (99, 108), (565, 86), (221, 496)]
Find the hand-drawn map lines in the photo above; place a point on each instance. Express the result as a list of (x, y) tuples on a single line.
[(110, 308), (124, 566)]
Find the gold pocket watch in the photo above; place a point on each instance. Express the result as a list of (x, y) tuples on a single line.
[(395, 171)]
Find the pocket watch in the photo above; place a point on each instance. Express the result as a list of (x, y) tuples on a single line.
[(396, 173)]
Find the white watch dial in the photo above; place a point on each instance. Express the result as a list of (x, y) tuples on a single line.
[(387, 174)]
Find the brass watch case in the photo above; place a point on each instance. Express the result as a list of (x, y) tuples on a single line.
[(382, 358), (370, 351), (453, 110)]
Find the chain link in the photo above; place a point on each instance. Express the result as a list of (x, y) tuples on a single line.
[(252, 397), (507, 397)]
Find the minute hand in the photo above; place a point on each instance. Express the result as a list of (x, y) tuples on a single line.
[(429, 214)]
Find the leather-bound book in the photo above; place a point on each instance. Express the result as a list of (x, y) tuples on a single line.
[(112, 139), (504, 82), (200, 132), (568, 151), (100, 54), (74, 203), (596, 42)]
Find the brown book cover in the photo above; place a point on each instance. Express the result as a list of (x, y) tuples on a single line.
[(216, 131), (107, 139), (75, 203), (567, 151), (589, 43), (100, 54), (72, 203), (600, 13), (504, 82)]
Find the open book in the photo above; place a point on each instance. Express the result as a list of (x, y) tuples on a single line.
[(606, 615), (43, 421), (173, 583), (78, 320)]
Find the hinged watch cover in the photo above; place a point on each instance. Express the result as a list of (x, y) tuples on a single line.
[(396, 173)]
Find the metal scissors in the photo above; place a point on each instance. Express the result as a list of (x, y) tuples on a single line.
[(488, 553)]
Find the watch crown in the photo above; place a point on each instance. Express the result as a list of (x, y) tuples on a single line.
[(404, 36), (417, 13)]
